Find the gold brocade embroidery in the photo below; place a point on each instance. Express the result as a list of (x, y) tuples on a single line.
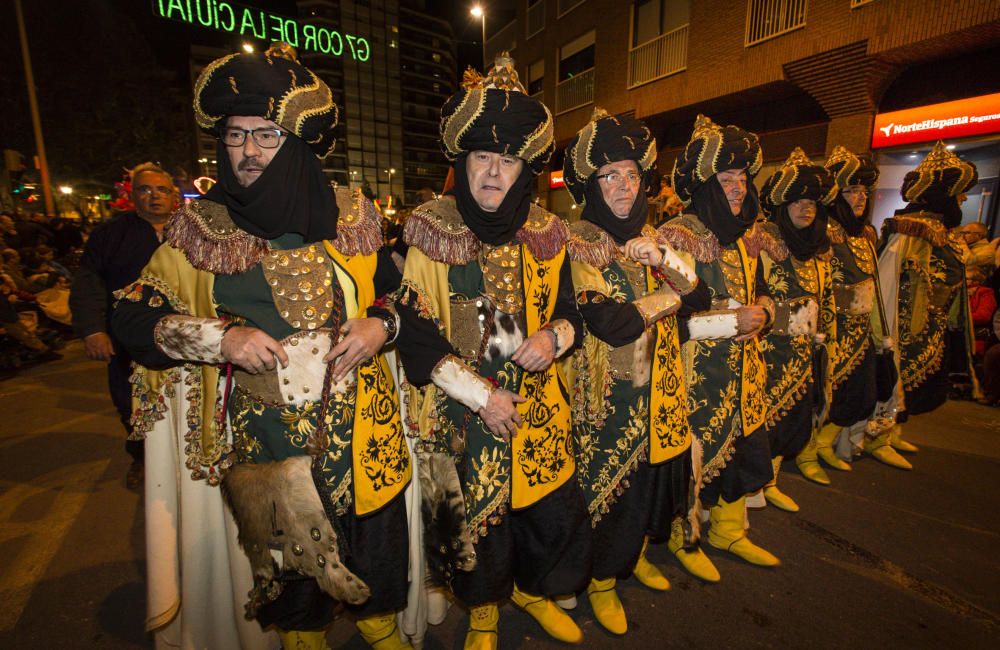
[(502, 276), (864, 254), (753, 397), (807, 275), (732, 271), (300, 282), (670, 431)]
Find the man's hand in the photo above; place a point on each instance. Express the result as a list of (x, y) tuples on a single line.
[(537, 352), (362, 339), (253, 350), (500, 413), (99, 346), (644, 250), (750, 320)]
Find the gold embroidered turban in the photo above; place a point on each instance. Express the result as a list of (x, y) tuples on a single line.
[(714, 149), (606, 139), (941, 175)]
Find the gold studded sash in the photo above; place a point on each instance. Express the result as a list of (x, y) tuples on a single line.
[(541, 452), (669, 430), (381, 461), (753, 392)]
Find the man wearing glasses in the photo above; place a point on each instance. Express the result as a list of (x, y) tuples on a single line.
[(260, 342), (113, 257)]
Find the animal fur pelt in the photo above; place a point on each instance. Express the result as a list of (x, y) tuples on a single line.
[(276, 506), (447, 542)]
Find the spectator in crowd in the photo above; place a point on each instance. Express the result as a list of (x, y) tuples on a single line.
[(983, 305), (115, 254), (8, 232), (19, 336), (991, 367), (983, 251)]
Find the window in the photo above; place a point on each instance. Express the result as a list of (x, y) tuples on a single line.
[(767, 19), (651, 18), (536, 76), (576, 57), (535, 18), (566, 6)]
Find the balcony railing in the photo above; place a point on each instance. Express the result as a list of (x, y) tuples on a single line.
[(575, 92), (858, 3), (767, 19), (534, 21), (657, 58)]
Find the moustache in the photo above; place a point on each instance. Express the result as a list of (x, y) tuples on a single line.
[(254, 162)]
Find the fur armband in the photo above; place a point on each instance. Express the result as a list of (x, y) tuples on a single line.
[(190, 338), (679, 274), (654, 306), (713, 325), (461, 383), (565, 334)]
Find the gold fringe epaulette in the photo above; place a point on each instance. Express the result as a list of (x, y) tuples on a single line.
[(870, 234), (687, 233), (205, 233), (919, 224), (590, 244), (359, 227), (764, 236), (437, 229)]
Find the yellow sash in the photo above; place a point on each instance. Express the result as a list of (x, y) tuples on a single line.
[(381, 462), (542, 451), (669, 430), (753, 389)]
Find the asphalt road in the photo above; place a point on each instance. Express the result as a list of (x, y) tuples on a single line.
[(882, 559)]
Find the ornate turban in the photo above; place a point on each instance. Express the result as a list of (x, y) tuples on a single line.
[(941, 175), (714, 149), (606, 139), (272, 85), (851, 169), (798, 178), (494, 113)]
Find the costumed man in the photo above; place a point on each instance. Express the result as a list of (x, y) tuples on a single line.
[(922, 276), (796, 347), (725, 372), (275, 277), (487, 306), (631, 431), (861, 364)]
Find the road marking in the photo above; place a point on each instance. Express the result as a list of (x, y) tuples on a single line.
[(74, 485)]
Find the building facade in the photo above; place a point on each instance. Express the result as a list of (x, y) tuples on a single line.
[(809, 73)]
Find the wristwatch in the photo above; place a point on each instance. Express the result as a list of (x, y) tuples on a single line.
[(390, 326)]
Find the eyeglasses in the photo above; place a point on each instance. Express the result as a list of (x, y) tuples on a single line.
[(148, 190), (266, 137), (614, 178)]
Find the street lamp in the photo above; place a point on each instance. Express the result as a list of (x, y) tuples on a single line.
[(248, 48), (390, 172), (65, 189), (477, 12)]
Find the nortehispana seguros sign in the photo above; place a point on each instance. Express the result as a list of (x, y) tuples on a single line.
[(234, 18)]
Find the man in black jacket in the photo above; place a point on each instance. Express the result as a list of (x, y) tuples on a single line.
[(114, 256)]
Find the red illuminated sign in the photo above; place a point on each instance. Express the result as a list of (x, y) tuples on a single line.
[(556, 179), (958, 119)]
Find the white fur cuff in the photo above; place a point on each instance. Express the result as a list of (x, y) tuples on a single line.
[(565, 334), (656, 305), (803, 321), (713, 325), (189, 338), (460, 383), (680, 275)]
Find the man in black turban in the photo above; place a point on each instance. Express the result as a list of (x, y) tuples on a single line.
[(487, 307), (727, 376), (631, 429), (272, 277), (922, 277)]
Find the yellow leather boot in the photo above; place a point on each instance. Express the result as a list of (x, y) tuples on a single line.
[(727, 533), (482, 634), (808, 463), (550, 616), (776, 497), (607, 607), (647, 573), (303, 640), (693, 560), (824, 447), (897, 442), (381, 633), (880, 448)]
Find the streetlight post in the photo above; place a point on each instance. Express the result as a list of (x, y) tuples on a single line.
[(390, 172), (36, 121), (478, 12)]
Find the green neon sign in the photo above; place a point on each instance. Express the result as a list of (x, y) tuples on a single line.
[(233, 18)]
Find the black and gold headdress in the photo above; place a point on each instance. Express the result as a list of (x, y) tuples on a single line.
[(849, 168), (798, 178), (494, 113), (272, 85), (714, 149), (940, 175), (606, 139)]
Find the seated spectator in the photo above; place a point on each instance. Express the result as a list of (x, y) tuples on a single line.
[(991, 368), (982, 250)]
